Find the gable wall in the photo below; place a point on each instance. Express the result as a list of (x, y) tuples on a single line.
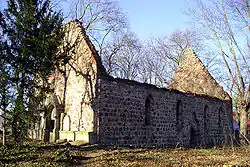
[(121, 117), (192, 76), (78, 87)]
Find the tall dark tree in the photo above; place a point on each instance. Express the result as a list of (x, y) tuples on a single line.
[(5, 95), (33, 32)]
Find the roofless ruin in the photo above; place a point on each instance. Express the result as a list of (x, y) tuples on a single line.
[(88, 104)]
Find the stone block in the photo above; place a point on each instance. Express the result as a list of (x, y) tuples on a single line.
[(69, 135), (82, 135)]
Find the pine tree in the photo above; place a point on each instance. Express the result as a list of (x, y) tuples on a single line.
[(4, 90), (33, 33)]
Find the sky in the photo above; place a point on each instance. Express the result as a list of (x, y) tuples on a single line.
[(2, 4), (148, 18), (155, 18)]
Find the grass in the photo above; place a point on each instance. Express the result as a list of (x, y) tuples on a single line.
[(94, 156)]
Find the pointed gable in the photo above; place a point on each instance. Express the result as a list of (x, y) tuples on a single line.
[(81, 45), (193, 77)]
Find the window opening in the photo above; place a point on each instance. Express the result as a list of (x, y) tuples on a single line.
[(148, 110)]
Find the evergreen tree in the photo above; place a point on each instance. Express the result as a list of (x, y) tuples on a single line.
[(4, 89), (32, 32)]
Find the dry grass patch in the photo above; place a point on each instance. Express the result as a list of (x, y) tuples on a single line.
[(94, 156), (169, 157)]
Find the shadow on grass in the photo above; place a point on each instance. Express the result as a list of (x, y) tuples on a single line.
[(15, 158), (119, 157), (48, 153), (80, 158)]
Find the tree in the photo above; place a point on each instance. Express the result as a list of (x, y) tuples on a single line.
[(4, 90), (32, 32), (121, 56), (163, 55), (100, 18), (107, 27), (152, 68), (226, 25), (174, 46)]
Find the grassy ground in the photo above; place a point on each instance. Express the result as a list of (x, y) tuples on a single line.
[(94, 156)]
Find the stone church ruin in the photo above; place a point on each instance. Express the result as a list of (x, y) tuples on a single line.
[(87, 104)]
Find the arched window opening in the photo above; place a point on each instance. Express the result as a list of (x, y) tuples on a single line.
[(179, 115), (196, 121), (206, 109), (220, 119), (193, 139), (195, 135), (148, 110), (51, 125), (66, 123)]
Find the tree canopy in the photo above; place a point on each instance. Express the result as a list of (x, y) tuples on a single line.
[(31, 32)]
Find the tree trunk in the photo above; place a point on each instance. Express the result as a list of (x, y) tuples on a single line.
[(14, 129), (243, 119), (4, 132)]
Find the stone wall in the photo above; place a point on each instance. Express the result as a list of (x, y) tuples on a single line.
[(192, 76), (131, 113), (77, 119), (71, 116)]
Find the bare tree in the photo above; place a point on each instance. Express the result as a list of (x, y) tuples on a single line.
[(226, 22), (121, 56), (153, 69), (111, 51), (163, 55), (178, 42), (100, 18), (107, 27)]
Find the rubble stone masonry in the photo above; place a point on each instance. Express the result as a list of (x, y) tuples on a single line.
[(175, 118)]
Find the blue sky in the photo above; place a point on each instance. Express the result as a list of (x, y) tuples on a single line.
[(149, 18), (2, 4), (155, 18)]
